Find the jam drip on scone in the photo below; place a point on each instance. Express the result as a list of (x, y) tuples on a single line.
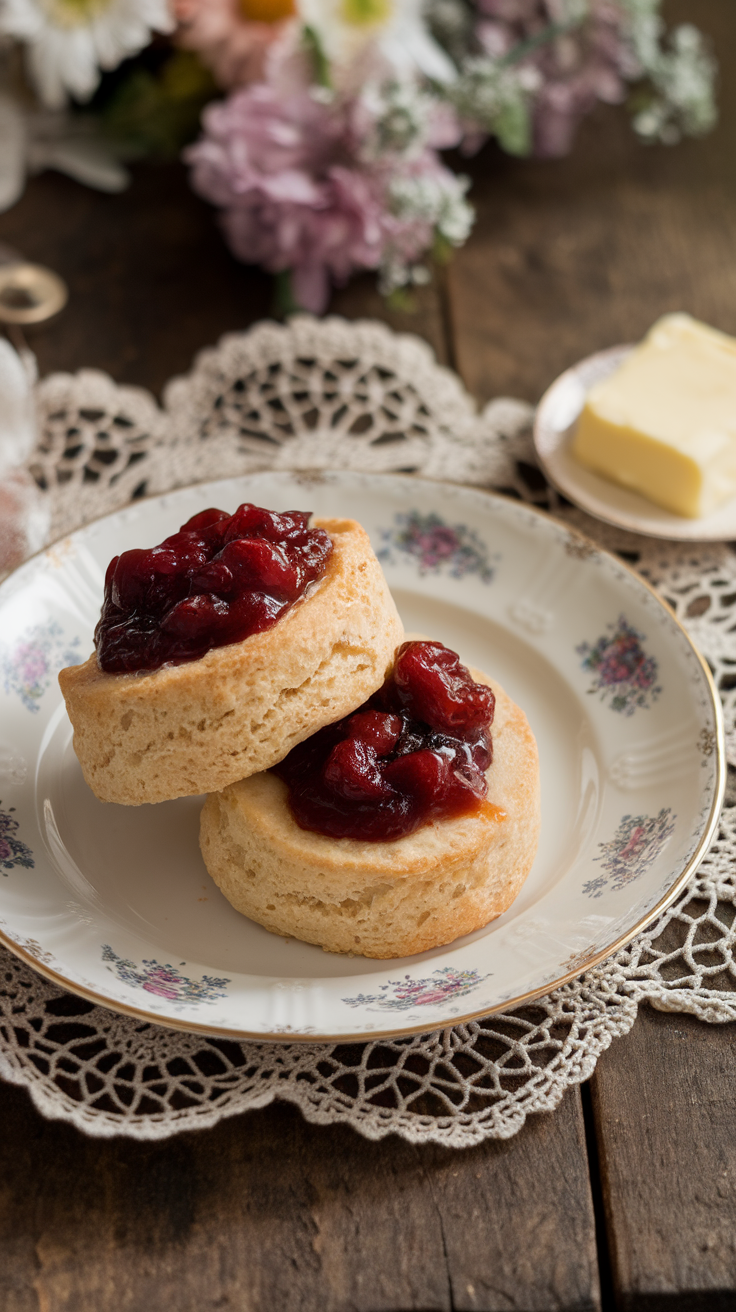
[(416, 751), (218, 580)]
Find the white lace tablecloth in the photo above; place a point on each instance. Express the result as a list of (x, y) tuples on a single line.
[(334, 395)]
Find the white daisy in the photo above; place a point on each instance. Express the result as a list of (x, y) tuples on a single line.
[(69, 41), (347, 29)]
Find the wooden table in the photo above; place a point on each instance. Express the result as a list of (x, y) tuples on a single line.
[(625, 1197)]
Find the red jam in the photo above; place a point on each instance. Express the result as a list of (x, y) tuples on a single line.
[(218, 580), (416, 751)]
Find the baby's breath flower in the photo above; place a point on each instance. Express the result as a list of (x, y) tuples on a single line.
[(529, 70), (400, 114), (682, 77), (437, 199), (498, 98), (429, 207)]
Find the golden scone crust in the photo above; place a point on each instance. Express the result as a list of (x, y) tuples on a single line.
[(380, 899), (194, 728)]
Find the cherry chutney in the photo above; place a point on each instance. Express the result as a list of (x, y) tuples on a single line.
[(416, 751), (218, 580)]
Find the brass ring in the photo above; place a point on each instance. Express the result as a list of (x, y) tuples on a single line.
[(30, 293)]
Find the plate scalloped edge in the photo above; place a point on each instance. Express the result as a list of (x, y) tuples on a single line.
[(473, 576)]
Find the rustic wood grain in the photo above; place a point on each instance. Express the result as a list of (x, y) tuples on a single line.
[(262, 1212), (360, 299), (151, 281), (567, 258), (517, 1219), (265, 1212), (571, 256), (666, 1129)]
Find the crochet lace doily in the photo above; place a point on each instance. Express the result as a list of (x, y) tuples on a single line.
[(331, 394)]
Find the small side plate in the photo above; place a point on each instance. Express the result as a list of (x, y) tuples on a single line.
[(554, 426)]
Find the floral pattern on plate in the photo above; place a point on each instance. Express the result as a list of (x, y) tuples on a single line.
[(29, 667), (12, 851), (33, 948), (637, 842), (142, 859), (401, 994), (166, 981), (623, 673), (436, 545)]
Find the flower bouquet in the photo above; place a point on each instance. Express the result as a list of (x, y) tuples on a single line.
[(317, 126)]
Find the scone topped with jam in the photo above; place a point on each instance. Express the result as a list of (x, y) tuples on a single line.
[(218, 580), (222, 647), (408, 823), (417, 751)]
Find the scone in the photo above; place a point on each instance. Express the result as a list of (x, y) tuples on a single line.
[(195, 727), (380, 899)]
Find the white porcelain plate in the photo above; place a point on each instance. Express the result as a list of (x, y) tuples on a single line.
[(115, 903), (554, 428)]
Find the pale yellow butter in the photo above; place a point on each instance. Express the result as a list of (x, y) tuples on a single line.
[(664, 424)]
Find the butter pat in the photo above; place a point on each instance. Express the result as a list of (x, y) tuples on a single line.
[(664, 424)]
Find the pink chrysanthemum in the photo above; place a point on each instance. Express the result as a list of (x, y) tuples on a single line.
[(301, 192)]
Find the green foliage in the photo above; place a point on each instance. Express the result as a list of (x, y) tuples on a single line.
[(156, 112), (402, 301), (320, 62), (513, 127), (497, 96), (284, 301), (442, 249)]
